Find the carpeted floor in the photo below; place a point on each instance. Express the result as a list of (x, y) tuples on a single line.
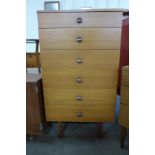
[(79, 139)]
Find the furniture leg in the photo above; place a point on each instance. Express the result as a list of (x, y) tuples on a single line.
[(99, 130), (122, 136), (61, 131)]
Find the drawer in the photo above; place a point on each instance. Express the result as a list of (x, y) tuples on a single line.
[(79, 113), (80, 79), (89, 19), (124, 95), (80, 38), (80, 59), (79, 96), (124, 116)]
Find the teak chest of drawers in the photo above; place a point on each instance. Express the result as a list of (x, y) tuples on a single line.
[(80, 58)]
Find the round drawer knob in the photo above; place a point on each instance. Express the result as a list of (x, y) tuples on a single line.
[(79, 60), (79, 114), (79, 80), (79, 20), (79, 39), (79, 98)]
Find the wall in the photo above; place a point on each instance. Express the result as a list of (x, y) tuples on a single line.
[(33, 5)]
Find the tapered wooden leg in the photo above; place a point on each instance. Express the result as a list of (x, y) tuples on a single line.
[(122, 136), (60, 130), (99, 130)]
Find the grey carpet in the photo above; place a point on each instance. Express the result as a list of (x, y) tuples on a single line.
[(79, 139)]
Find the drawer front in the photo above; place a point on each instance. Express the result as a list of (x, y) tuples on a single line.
[(80, 38), (79, 96), (124, 116), (85, 79), (125, 95), (87, 83), (90, 19), (79, 113), (80, 59)]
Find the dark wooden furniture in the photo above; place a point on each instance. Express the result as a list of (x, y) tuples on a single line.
[(124, 105), (33, 58), (124, 51), (35, 117)]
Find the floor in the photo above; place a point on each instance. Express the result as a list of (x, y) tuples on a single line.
[(79, 139)]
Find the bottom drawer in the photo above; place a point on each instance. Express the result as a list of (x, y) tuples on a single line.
[(79, 113), (124, 116)]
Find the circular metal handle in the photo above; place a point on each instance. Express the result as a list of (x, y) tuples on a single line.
[(79, 39), (79, 80), (79, 60), (79, 114), (79, 98), (79, 20)]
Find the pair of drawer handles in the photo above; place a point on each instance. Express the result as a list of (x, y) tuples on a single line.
[(79, 21)]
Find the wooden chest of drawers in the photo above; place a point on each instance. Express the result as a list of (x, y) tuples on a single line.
[(80, 58)]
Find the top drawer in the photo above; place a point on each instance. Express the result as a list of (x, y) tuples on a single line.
[(83, 19)]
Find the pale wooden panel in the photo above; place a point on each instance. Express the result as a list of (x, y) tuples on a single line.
[(89, 19), (125, 95), (89, 114), (93, 38), (89, 96), (124, 116), (90, 79), (87, 84), (96, 59)]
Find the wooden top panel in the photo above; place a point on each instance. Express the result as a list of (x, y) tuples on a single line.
[(33, 77), (84, 10)]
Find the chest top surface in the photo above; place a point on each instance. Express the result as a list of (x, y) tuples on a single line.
[(82, 10)]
